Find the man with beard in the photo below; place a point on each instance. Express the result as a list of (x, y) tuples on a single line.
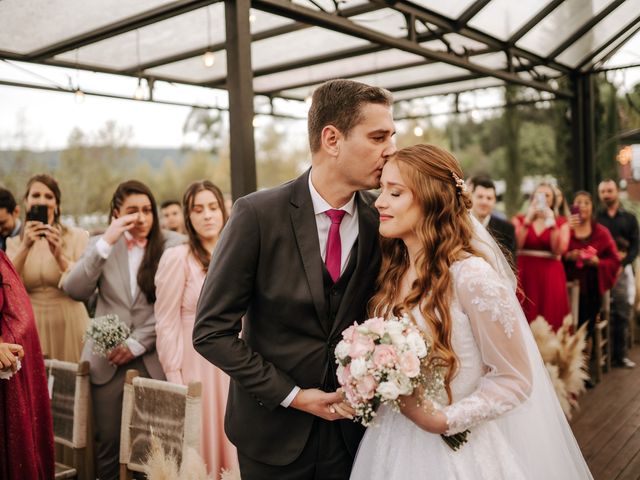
[(623, 225)]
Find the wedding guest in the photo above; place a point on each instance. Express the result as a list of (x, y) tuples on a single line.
[(623, 225), (560, 207), (26, 430), (483, 195), (43, 254), (542, 237), (592, 259), (179, 279), (121, 264), (172, 216), (9, 217)]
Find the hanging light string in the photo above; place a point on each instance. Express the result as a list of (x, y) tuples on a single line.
[(138, 93), (209, 57)]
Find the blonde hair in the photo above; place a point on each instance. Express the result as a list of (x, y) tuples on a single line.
[(445, 231)]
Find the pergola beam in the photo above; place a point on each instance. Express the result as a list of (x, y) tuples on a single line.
[(450, 26), (287, 9), (614, 38), (137, 21), (256, 37), (241, 141), (471, 11), (575, 36)]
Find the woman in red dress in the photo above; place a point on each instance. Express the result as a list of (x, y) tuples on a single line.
[(542, 239), (26, 431)]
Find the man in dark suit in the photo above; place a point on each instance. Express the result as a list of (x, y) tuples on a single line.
[(484, 199), (299, 263)]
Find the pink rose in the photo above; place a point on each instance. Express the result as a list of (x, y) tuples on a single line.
[(366, 387), (360, 346), (375, 325), (351, 395), (384, 356), (349, 333), (409, 364)]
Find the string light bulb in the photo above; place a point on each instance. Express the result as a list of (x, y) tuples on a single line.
[(209, 58), (139, 92), (79, 96), (417, 131)]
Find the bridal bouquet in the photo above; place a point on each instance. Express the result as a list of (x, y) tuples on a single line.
[(381, 360), (107, 333)]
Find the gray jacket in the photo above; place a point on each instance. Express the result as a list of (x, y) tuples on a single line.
[(111, 277)]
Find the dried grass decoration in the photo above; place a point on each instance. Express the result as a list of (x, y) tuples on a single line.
[(161, 465), (564, 357)]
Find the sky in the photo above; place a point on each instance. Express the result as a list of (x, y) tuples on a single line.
[(43, 120)]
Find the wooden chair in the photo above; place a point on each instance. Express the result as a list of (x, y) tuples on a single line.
[(69, 388), (171, 412), (573, 291), (602, 339)]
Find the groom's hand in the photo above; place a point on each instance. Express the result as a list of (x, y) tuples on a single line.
[(318, 403)]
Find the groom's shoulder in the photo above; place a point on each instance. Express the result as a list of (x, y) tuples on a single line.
[(269, 197)]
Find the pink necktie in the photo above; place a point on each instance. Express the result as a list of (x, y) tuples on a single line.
[(334, 244)]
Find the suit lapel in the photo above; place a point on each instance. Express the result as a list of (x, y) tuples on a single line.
[(367, 237), (306, 233), (122, 260)]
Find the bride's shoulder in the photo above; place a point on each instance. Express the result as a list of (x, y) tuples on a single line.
[(472, 269)]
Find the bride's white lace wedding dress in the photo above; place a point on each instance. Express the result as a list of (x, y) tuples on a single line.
[(501, 393)]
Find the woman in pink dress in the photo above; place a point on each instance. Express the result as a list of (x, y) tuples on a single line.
[(542, 239), (179, 279)]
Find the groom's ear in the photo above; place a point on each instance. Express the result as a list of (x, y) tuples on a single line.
[(330, 140)]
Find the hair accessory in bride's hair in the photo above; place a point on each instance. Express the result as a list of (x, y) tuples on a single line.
[(460, 185)]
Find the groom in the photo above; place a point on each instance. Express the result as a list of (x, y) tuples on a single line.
[(294, 267)]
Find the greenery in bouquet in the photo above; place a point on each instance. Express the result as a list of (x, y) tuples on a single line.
[(106, 333)]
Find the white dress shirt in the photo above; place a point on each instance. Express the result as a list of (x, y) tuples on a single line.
[(136, 254), (348, 236)]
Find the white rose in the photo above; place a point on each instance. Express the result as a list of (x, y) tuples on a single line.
[(342, 350), (395, 329), (403, 383), (358, 368), (416, 344), (388, 390)]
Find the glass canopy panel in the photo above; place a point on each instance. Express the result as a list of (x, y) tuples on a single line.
[(606, 29), (496, 61), (502, 18), (262, 21), (299, 45), (450, 8), (448, 88), (387, 21), (30, 25), (413, 76), (328, 5), (192, 70), (627, 55), (560, 24), (346, 68), (163, 39)]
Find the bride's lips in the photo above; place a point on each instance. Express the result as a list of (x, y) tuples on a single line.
[(384, 218)]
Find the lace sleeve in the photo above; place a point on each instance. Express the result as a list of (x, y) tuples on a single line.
[(493, 311)]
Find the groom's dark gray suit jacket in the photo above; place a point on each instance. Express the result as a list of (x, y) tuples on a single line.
[(267, 268)]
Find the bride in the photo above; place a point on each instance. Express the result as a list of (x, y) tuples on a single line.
[(445, 271)]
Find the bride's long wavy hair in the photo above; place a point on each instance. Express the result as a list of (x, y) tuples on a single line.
[(445, 232)]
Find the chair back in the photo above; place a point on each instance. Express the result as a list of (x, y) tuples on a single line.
[(170, 412), (69, 390)]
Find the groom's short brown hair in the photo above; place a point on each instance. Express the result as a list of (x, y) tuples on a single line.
[(339, 103)]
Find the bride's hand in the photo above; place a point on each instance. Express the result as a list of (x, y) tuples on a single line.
[(423, 414)]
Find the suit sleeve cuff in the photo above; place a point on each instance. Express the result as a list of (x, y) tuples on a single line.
[(103, 248), (136, 348), (287, 401)]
